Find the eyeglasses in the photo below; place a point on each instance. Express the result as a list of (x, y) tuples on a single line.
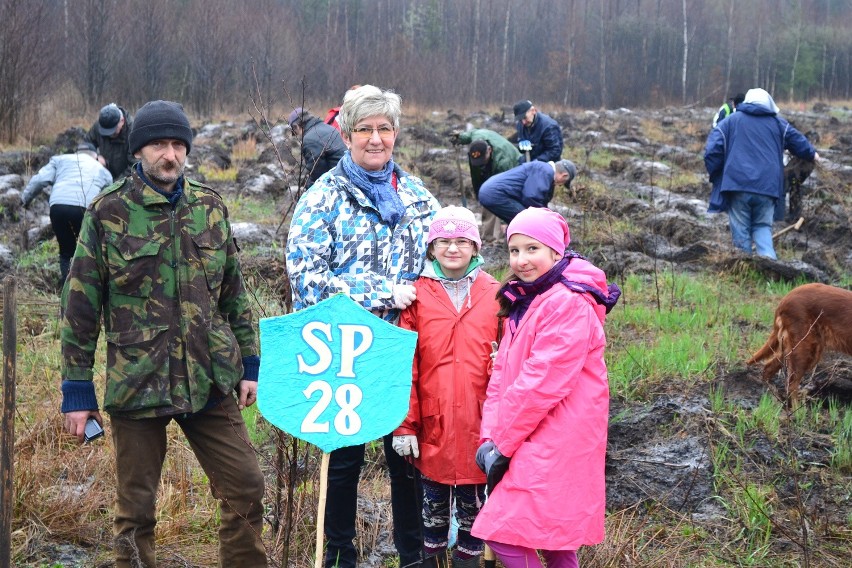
[(461, 244), (385, 131)]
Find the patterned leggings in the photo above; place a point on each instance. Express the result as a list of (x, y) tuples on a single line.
[(437, 501)]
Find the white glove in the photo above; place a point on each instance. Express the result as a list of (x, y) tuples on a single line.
[(406, 445), (403, 295)]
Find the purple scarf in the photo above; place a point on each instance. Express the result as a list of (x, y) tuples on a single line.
[(521, 294)]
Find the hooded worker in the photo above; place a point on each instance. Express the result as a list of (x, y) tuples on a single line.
[(744, 157)]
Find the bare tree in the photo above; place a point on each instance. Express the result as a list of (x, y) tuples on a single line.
[(24, 62), (155, 27), (99, 43), (505, 66), (730, 47), (798, 41), (475, 58), (583, 52), (603, 55), (211, 55), (685, 54)]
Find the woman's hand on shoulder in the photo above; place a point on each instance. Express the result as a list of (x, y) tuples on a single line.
[(403, 295)]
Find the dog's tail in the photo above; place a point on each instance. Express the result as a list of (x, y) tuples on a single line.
[(770, 350)]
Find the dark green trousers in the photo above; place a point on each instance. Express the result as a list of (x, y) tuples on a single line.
[(219, 439)]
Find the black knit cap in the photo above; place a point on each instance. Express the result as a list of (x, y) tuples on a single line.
[(158, 120)]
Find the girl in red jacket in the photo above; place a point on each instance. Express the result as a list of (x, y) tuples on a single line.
[(544, 422), (455, 317)]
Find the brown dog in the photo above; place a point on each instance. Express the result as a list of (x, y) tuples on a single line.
[(809, 320)]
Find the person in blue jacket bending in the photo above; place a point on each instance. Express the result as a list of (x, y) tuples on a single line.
[(529, 185)]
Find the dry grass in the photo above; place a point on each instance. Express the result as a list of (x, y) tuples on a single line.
[(244, 151)]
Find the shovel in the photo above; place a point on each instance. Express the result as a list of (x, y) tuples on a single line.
[(525, 146), (795, 226)]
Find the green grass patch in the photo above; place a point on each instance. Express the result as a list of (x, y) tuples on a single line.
[(841, 456), (44, 255), (600, 159), (253, 209), (679, 327)]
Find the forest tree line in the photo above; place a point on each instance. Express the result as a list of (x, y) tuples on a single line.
[(224, 55)]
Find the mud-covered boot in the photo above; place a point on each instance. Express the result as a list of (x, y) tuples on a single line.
[(436, 561), (472, 562)]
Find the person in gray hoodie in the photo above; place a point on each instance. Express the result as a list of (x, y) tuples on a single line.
[(76, 179)]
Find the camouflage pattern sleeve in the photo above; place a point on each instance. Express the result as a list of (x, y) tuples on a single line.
[(234, 301), (82, 300)]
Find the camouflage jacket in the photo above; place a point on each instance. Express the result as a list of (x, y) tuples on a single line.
[(167, 283)]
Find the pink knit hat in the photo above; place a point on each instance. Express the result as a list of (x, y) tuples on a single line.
[(454, 222), (544, 225)]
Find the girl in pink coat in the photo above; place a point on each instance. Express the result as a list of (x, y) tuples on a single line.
[(455, 317), (544, 422)]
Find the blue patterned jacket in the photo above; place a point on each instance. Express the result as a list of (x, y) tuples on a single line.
[(338, 243)]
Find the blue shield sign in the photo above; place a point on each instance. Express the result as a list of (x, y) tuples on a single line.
[(334, 374)]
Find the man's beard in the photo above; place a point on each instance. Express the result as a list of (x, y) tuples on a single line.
[(161, 180)]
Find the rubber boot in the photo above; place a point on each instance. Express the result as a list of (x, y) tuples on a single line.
[(436, 561), (472, 562)]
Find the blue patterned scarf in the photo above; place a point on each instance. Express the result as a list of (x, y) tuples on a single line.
[(377, 187)]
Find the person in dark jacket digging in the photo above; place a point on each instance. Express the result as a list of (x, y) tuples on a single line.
[(322, 146), (489, 154), (110, 137)]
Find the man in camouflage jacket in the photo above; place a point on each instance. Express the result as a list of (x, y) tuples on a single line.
[(157, 261)]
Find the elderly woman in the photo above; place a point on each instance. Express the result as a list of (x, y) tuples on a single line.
[(360, 229)]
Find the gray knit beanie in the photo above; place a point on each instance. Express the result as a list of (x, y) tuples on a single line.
[(158, 120)]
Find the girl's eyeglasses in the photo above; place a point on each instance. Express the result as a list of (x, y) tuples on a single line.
[(461, 244)]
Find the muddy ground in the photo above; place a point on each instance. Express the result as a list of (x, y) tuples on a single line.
[(659, 452)]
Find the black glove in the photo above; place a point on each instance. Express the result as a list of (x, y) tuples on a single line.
[(454, 139), (483, 451), (495, 473)]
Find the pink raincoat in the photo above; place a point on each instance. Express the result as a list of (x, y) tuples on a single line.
[(547, 408)]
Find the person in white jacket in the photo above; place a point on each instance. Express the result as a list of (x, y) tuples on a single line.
[(76, 179)]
